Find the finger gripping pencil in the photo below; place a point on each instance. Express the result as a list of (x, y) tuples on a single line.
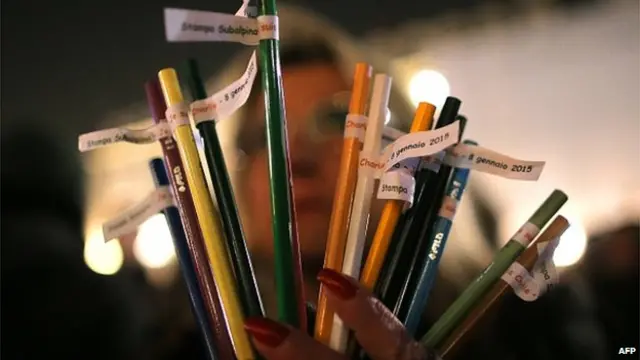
[(182, 193), (206, 213), (501, 262)]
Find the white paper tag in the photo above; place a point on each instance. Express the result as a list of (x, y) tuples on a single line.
[(526, 234), (129, 220), (544, 271), (183, 25), (177, 115), (100, 138), (488, 161), (397, 185), (523, 284), (355, 126), (225, 102), (268, 27), (422, 143)]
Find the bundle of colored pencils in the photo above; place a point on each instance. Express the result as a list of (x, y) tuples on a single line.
[(421, 176)]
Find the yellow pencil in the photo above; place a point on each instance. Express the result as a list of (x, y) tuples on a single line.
[(391, 211), (206, 213), (338, 225)]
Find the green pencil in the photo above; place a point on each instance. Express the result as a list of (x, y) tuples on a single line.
[(501, 262), (236, 243), (291, 306)]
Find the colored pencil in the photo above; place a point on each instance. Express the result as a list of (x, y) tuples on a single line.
[(391, 211), (289, 286), (438, 239), (345, 186), (236, 242), (207, 216), (195, 242), (405, 238), (172, 217), (505, 257), (437, 185), (491, 301)]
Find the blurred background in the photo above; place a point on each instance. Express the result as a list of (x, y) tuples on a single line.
[(553, 80)]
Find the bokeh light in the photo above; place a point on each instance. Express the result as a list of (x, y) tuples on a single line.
[(103, 258), (572, 245), (430, 86), (153, 246)]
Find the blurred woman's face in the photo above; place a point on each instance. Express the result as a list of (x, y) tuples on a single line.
[(315, 114)]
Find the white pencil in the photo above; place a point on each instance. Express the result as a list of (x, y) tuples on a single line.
[(362, 197)]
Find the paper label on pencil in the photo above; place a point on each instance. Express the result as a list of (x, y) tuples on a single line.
[(422, 143), (397, 185), (177, 115), (488, 161), (227, 101), (545, 271), (268, 27), (523, 284), (100, 138), (526, 234), (370, 165), (183, 25), (355, 126), (130, 219)]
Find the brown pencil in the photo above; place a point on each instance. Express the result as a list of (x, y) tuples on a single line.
[(490, 301), (195, 241)]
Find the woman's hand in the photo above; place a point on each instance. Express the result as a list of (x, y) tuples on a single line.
[(379, 333)]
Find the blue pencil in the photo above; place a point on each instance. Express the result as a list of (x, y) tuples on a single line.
[(438, 239), (160, 177)]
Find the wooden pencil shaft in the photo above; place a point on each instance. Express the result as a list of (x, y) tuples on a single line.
[(288, 278), (334, 255), (397, 265), (195, 241), (209, 222), (234, 234), (492, 300), (391, 212), (345, 187)]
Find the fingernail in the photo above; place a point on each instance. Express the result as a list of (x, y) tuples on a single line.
[(266, 331), (338, 284)]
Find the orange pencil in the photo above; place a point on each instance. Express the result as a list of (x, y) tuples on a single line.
[(338, 225), (391, 211)]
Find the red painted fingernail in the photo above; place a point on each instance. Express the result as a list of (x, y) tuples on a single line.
[(338, 284), (266, 331)]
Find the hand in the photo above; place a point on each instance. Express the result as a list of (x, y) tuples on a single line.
[(379, 333)]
